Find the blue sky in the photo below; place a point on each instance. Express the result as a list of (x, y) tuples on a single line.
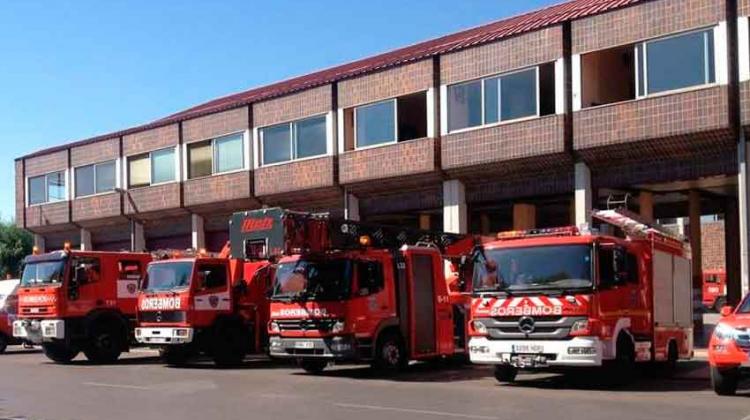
[(74, 69)]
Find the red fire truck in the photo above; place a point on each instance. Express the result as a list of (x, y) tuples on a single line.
[(203, 304), (71, 301), (8, 310), (347, 291), (564, 297), (714, 289)]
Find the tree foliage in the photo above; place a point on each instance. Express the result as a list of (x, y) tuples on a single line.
[(15, 245)]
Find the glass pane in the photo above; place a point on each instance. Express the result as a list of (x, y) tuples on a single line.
[(276, 144), (710, 56), (139, 171), (162, 166), (229, 153), (376, 123), (518, 95), (85, 181), (491, 100), (464, 105), (311, 137), (56, 186), (37, 190), (676, 63), (199, 158), (105, 177), (639, 55)]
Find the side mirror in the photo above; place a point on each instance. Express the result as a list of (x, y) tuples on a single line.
[(726, 311)]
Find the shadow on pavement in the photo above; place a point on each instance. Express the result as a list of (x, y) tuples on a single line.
[(251, 363), (435, 372)]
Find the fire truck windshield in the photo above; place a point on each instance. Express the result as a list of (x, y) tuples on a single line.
[(313, 280), (168, 276), (561, 267), (43, 272)]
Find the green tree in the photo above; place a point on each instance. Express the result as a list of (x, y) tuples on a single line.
[(15, 245)]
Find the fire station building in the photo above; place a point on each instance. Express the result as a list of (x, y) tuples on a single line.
[(526, 122)]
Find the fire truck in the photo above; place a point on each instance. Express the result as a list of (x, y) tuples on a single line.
[(714, 289), (204, 304), (346, 291), (8, 310), (71, 301), (570, 298)]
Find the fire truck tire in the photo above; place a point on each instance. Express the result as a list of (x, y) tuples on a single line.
[(505, 373), (3, 343), (175, 355), (390, 354), (230, 344), (724, 381), (623, 367), (59, 352), (313, 367), (105, 343)]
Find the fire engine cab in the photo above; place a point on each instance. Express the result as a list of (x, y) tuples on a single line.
[(204, 304), (71, 301), (347, 291), (569, 297)]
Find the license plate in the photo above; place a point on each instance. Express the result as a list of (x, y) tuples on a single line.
[(528, 348), (304, 345)]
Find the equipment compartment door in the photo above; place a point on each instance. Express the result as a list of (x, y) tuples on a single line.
[(422, 303)]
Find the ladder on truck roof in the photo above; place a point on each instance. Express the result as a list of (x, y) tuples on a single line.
[(274, 232), (634, 226)]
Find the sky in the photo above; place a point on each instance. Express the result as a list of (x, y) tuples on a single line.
[(70, 70)]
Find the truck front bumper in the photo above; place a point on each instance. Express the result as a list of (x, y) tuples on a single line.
[(164, 335), (333, 348), (576, 352), (38, 331)]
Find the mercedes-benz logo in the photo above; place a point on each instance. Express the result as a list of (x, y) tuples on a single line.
[(158, 316), (526, 325)]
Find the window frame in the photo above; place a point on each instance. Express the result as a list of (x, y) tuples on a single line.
[(94, 166), (483, 82), (151, 168), (214, 166), (395, 123), (292, 141), (46, 188), (641, 63)]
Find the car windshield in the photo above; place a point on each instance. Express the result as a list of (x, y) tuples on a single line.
[(744, 307), (561, 267), (168, 276), (313, 280), (47, 272)]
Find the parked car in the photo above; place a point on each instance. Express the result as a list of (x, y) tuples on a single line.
[(729, 348)]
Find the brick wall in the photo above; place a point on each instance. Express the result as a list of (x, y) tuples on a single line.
[(514, 53), (96, 207), (743, 7), (47, 215), (712, 245), (292, 107), (20, 193), (217, 188), (215, 125), (398, 81), (159, 197), (45, 164), (395, 160), (644, 21), (100, 151), (504, 142), (745, 103), (150, 140), (294, 176)]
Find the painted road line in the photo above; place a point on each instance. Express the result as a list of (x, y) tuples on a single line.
[(103, 385), (414, 411)]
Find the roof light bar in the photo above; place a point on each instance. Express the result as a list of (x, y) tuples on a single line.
[(531, 233)]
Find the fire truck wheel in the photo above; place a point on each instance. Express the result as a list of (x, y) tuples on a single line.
[(390, 354), (672, 356), (724, 381), (59, 352), (313, 367), (505, 373), (230, 344), (3, 343), (105, 344), (624, 363), (175, 355)]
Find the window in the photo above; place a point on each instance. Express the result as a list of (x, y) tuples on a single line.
[(398, 119), (86, 270), (369, 277), (376, 123), (617, 267), (215, 156), (294, 140), (522, 94), (608, 76), (47, 188), (213, 276), (676, 62), (95, 179), (151, 168)]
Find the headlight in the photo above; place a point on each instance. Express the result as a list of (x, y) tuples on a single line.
[(581, 326), (725, 332), (479, 327), (338, 327), (137, 332), (180, 332), (273, 327)]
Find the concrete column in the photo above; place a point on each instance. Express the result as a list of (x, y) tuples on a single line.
[(351, 207), (424, 221), (40, 243), (524, 216), (694, 206), (86, 240), (484, 223), (732, 251), (137, 237), (455, 215), (646, 204), (199, 233), (681, 226), (583, 194), (744, 213)]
